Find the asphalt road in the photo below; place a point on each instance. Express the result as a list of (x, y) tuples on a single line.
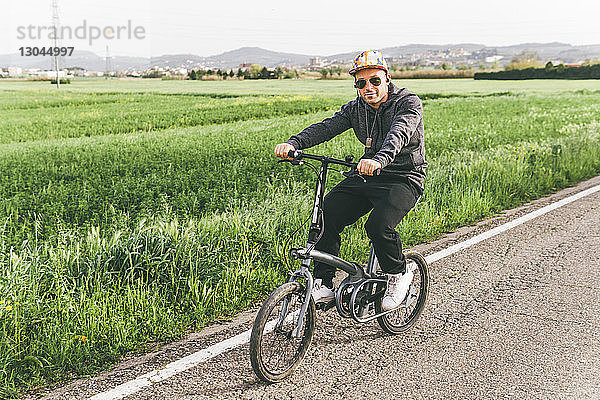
[(514, 317)]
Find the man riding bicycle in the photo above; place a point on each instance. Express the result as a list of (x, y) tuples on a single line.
[(388, 121)]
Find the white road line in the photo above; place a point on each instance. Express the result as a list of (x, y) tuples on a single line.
[(509, 225), (194, 359), (181, 365), (173, 368)]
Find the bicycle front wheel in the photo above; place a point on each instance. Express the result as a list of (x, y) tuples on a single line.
[(405, 316), (275, 351)]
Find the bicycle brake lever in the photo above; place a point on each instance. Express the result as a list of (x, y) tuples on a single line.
[(353, 172), (293, 162)]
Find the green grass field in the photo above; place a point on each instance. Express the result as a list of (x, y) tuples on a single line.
[(341, 87), (132, 212)]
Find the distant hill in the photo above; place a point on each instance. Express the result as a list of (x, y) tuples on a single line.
[(400, 51), (232, 59), (80, 58), (175, 60), (256, 55), (546, 51), (93, 62)]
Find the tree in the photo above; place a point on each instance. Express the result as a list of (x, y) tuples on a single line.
[(240, 73), (153, 74), (291, 74), (192, 75), (525, 59), (549, 66), (264, 73), (254, 71), (231, 73), (324, 73), (278, 72), (589, 62)]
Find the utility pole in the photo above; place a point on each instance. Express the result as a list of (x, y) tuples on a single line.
[(107, 66), (56, 25)]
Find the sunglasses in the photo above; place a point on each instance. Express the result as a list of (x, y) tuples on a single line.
[(361, 83)]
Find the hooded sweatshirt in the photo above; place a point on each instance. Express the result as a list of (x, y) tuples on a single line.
[(396, 129)]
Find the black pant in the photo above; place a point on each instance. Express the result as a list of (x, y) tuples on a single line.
[(389, 198)]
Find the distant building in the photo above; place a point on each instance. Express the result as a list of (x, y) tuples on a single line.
[(316, 63), (52, 74), (76, 71), (492, 59), (11, 71), (48, 74)]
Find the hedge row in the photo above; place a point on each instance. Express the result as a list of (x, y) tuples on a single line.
[(559, 72)]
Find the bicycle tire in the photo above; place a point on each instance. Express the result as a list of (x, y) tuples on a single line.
[(266, 341), (390, 322)]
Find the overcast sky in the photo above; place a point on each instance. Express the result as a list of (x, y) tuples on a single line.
[(308, 27)]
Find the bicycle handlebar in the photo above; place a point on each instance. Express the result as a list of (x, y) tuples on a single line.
[(297, 155)]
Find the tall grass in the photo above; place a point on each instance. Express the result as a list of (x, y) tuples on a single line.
[(76, 302), (90, 181), (98, 114)]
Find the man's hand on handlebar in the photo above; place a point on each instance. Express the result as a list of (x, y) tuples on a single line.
[(367, 166), (282, 150)]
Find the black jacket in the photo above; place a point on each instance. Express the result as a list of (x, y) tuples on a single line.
[(397, 132)]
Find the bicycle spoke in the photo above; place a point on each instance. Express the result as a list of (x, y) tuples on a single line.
[(278, 358), (282, 347)]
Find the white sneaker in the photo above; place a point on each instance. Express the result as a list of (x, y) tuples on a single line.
[(322, 293), (397, 288)]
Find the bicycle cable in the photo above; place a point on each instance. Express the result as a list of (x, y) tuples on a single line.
[(290, 237), (320, 214), (287, 243)]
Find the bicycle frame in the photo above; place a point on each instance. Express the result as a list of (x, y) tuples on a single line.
[(356, 272)]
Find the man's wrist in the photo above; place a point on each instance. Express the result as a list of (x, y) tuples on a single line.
[(380, 160), (294, 143)]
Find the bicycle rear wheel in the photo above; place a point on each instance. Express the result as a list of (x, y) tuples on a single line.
[(274, 351), (405, 316)]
